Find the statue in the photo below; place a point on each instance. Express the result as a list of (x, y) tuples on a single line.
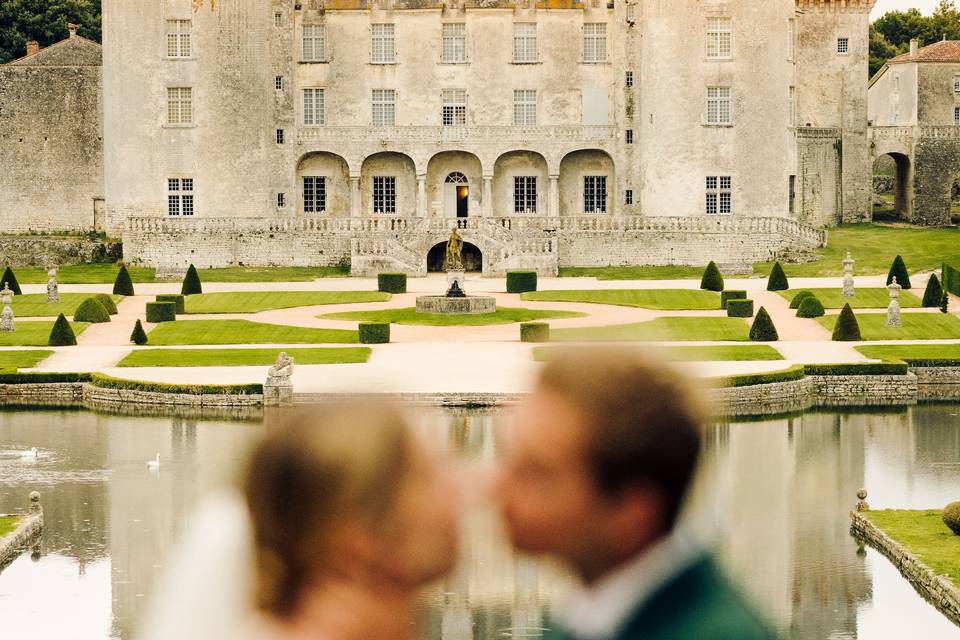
[(893, 310), (278, 389), (6, 317), (455, 291), (453, 260), (848, 289), (53, 289)]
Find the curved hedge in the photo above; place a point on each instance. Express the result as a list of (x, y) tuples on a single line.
[(62, 335), (107, 301), (731, 294), (108, 382), (810, 307), (161, 311), (797, 299), (392, 282), (858, 369), (534, 332), (738, 308), (374, 332), (91, 310), (42, 377), (795, 372), (521, 281), (712, 279), (178, 299)]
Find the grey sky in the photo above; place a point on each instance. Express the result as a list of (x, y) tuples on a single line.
[(925, 6)]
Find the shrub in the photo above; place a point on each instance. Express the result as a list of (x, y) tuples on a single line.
[(161, 311), (108, 382), (534, 332), (898, 270), (797, 299), (62, 333), (191, 282), (91, 310), (374, 332), (737, 308), (123, 285), (712, 279), (945, 303), (139, 336), (950, 279), (731, 294), (811, 307), (176, 298), (933, 294), (749, 379), (951, 517), (107, 301), (847, 329), (11, 279), (763, 329), (392, 282), (521, 281), (42, 377), (778, 279), (858, 369)]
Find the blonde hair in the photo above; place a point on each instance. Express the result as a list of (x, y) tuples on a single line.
[(316, 469)]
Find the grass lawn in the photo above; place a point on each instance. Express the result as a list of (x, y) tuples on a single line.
[(8, 524), (696, 353), (83, 274), (35, 333), (35, 305), (661, 299), (409, 315), (916, 326), (240, 357), (243, 332), (107, 273), (923, 533), (13, 360), (633, 273), (661, 329), (254, 301), (913, 351), (271, 274), (875, 298)]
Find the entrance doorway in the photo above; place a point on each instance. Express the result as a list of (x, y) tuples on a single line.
[(456, 195)]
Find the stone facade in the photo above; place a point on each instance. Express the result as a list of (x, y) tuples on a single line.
[(42, 251)]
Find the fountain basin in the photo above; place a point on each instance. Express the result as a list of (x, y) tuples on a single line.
[(468, 305)]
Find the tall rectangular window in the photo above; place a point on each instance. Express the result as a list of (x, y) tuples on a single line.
[(956, 116), (180, 196), (277, 19), (178, 38), (793, 106), (278, 83), (454, 109), (525, 42), (792, 193), (719, 195), (384, 108), (956, 84), (382, 44), (280, 137), (719, 38), (314, 43), (314, 194), (525, 107), (525, 194), (629, 136), (281, 200), (454, 43), (629, 78), (179, 105), (628, 196), (384, 194), (313, 107), (719, 105), (843, 46), (594, 194), (595, 42)]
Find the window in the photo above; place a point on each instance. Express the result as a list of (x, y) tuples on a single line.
[(313, 108), (179, 105), (314, 43), (594, 194), (718, 105), (629, 136), (178, 38), (278, 83), (314, 194), (384, 108), (382, 43), (629, 78), (278, 19), (384, 194), (279, 136), (525, 194), (792, 193), (281, 200), (454, 107), (180, 196), (454, 43), (525, 42), (595, 42), (956, 116), (956, 84), (793, 106), (719, 194), (628, 196), (843, 46), (525, 107), (719, 38)]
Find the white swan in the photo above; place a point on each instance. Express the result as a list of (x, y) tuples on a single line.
[(155, 463), (29, 454)]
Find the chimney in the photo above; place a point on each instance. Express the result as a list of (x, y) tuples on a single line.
[(913, 47), (73, 29), (32, 47)]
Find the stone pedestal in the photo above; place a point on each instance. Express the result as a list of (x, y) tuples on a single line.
[(456, 276), (848, 290), (277, 391), (469, 305), (53, 289), (6, 317), (893, 310)]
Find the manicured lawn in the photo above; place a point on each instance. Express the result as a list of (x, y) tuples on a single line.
[(8, 524), (35, 333), (13, 360), (35, 305), (107, 273), (633, 273), (874, 298), (661, 299), (409, 315), (911, 351), (271, 274), (83, 274), (696, 353), (661, 329), (923, 533), (916, 326), (243, 332), (240, 357), (254, 301)]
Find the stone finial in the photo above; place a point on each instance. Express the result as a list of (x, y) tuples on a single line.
[(34, 501), (72, 28), (862, 502), (32, 47), (278, 389)]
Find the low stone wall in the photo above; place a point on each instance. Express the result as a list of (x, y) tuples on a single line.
[(12, 544), (101, 395), (937, 383), (937, 590), (57, 393), (43, 251), (859, 391), (762, 399)]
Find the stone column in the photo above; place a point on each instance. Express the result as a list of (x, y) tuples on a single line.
[(355, 203), (553, 197), (893, 310), (422, 196), (487, 208), (848, 289)]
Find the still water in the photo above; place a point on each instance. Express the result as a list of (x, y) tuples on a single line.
[(773, 498)]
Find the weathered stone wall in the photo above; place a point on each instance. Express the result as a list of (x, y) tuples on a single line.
[(818, 177), (762, 399), (12, 544), (44, 251), (936, 165), (860, 391)]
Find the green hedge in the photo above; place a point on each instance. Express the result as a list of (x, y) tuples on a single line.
[(797, 299), (123, 285), (62, 335), (762, 329), (847, 328), (138, 335), (778, 279), (191, 282), (933, 294), (91, 310), (374, 332), (521, 281), (950, 279), (749, 379), (712, 279), (932, 362), (11, 279), (107, 301), (392, 282), (898, 270), (731, 294), (737, 308), (534, 332), (892, 368), (810, 307), (177, 299), (161, 311), (108, 382), (42, 377)]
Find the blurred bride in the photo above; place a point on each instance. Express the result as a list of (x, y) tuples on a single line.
[(343, 518)]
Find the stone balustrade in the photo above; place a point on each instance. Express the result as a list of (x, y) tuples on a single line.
[(440, 134)]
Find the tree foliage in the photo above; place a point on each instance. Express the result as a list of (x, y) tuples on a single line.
[(890, 34), (44, 21)]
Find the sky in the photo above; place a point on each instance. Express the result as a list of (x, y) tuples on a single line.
[(925, 6)]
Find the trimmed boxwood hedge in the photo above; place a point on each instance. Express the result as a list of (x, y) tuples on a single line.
[(811, 307), (177, 299), (62, 335), (778, 279), (392, 282), (846, 329), (892, 368), (108, 382), (950, 279), (138, 336), (731, 294), (91, 310), (797, 299), (107, 301), (534, 332), (191, 282), (749, 379), (737, 308), (521, 281), (374, 332), (712, 279), (931, 362), (11, 279), (933, 294), (161, 311), (762, 329), (123, 285), (898, 270), (42, 377)]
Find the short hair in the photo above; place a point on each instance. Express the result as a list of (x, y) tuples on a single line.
[(643, 419)]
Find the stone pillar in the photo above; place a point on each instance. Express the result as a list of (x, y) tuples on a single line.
[(893, 311), (422, 196), (553, 197), (848, 288), (355, 197), (487, 208)]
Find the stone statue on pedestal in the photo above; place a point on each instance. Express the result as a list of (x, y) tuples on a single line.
[(278, 389), (453, 260), (6, 318), (53, 289), (848, 290), (893, 310)]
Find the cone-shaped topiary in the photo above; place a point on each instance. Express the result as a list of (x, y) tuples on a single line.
[(712, 278), (898, 270), (847, 328), (763, 329), (778, 279), (139, 336), (191, 282), (951, 517), (123, 285), (91, 310), (107, 301), (933, 294), (11, 279), (62, 333), (810, 307), (944, 303), (797, 299)]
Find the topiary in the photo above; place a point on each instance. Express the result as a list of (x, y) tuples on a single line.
[(91, 310), (392, 282), (712, 279), (521, 281), (123, 285), (731, 294), (763, 329), (161, 311), (933, 294), (374, 332), (810, 307), (944, 302), (778, 279), (107, 301), (11, 279), (191, 282), (534, 332), (62, 333), (139, 336), (898, 270), (847, 329), (176, 298), (738, 308), (951, 517), (797, 299)]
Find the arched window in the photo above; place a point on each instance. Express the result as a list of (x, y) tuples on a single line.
[(456, 178)]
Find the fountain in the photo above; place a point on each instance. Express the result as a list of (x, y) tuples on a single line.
[(455, 301)]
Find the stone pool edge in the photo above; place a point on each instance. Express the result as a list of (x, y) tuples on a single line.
[(13, 544)]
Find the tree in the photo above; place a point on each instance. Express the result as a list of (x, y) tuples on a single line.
[(898, 270), (847, 329), (881, 50), (91, 310), (139, 336), (62, 333), (11, 280), (712, 278), (763, 329), (44, 21), (191, 282), (123, 285), (933, 293), (778, 279)]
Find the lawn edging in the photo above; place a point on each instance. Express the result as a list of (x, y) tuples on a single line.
[(30, 528)]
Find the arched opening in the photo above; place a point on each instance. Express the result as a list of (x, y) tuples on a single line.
[(587, 183), (452, 184), (323, 185), (456, 192), (472, 257), (891, 187), (520, 184), (388, 184)]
